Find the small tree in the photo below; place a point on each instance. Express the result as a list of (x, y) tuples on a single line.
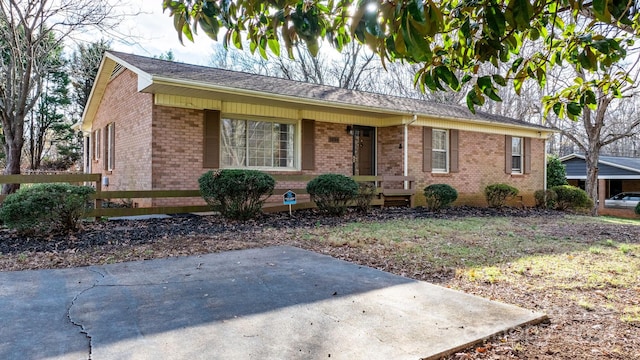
[(556, 172)]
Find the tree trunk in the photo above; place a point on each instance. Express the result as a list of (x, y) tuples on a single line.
[(13, 150), (591, 184)]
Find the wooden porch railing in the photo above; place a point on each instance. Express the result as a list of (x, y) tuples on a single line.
[(388, 188)]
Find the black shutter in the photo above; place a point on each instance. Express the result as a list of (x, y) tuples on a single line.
[(426, 148), (308, 144), (211, 142), (453, 151)]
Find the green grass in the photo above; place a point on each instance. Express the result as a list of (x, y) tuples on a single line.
[(533, 253)]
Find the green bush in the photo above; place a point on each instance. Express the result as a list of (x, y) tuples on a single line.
[(637, 209), (546, 199), (571, 197), (332, 192), (439, 196), (46, 208), (236, 194), (556, 172), (366, 192), (497, 194)]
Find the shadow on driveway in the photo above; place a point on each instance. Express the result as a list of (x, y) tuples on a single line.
[(273, 303)]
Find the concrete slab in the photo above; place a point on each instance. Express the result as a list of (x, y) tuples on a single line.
[(274, 303)]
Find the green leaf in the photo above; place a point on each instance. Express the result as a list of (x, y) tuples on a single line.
[(237, 41), (416, 9), (495, 20), (498, 79), (274, 46), (445, 74), (601, 10), (574, 108), (516, 64), (557, 109), (484, 82)]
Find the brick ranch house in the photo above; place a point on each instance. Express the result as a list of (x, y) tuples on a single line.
[(151, 124)]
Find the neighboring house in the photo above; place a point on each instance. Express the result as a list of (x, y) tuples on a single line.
[(154, 124), (615, 175)]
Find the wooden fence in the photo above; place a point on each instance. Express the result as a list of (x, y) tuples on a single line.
[(388, 188)]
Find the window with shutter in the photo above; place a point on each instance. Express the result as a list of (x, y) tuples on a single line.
[(517, 155)]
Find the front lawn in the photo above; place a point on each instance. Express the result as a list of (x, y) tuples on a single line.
[(583, 272)]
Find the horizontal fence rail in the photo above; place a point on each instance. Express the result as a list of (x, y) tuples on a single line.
[(390, 187)]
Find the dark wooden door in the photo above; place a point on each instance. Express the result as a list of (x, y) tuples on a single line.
[(364, 150)]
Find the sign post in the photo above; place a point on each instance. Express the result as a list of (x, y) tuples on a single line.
[(289, 199)]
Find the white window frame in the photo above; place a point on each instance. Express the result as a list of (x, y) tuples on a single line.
[(110, 144), (434, 150), (517, 154), (296, 152)]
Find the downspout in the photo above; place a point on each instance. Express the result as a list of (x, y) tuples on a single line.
[(405, 147), (545, 164)]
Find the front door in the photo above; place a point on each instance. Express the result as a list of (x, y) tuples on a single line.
[(363, 150)]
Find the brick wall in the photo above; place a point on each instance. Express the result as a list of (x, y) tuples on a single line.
[(481, 162), (333, 157), (177, 152), (130, 110), (173, 159), (390, 156)]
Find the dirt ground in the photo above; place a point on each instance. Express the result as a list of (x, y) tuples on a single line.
[(585, 321)]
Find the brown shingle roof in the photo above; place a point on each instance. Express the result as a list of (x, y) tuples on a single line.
[(295, 89)]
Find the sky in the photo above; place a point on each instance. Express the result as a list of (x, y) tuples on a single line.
[(153, 34)]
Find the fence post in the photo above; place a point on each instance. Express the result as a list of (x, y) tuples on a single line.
[(98, 201)]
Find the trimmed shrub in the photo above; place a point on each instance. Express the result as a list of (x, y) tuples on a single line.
[(571, 197), (439, 196), (637, 209), (46, 208), (332, 192), (366, 192), (497, 194), (545, 199), (236, 194)]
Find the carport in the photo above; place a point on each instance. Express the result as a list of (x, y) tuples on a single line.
[(616, 174)]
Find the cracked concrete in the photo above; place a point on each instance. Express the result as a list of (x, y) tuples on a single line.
[(275, 303)]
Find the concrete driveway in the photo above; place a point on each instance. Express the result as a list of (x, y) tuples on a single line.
[(273, 303)]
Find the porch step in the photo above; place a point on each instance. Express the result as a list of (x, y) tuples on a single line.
[(397, 200)]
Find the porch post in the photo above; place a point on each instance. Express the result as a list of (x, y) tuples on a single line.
[(405, 148)]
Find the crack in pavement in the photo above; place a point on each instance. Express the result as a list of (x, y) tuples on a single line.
[(73, 301)]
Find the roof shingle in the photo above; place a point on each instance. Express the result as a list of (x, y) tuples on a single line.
[(295, 89)]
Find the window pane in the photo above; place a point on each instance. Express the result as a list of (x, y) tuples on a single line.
[(439, 150), (439, 160), (516, 146), (439, 140), (516, 163), (247, 143), (233, 138), (260, 143)]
